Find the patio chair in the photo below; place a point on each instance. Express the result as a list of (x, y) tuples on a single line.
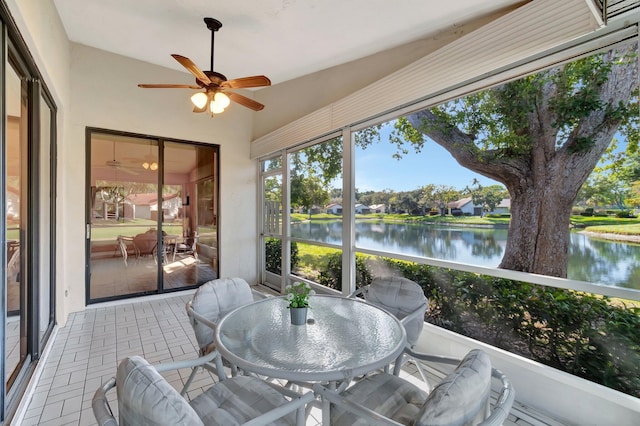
[(403, 298), (123, 245), (146, 244), (188, 247), (462, 398), (211, 301), (146, 398)]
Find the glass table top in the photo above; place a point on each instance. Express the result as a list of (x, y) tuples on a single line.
[(343, 338)]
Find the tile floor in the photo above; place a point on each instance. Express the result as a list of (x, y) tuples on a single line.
[(86, 351)]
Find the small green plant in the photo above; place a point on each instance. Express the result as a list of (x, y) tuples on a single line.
[(297, 294)]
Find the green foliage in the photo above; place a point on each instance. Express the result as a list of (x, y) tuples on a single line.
[(585, 335), (332, 275), (625, 214), (273, 255), (297, 294)]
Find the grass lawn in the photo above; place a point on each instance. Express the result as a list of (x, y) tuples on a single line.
[(631, 229), (313, 258), (109, 230), (466, 220), (602, 221)]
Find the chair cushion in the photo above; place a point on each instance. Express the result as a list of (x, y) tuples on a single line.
[(213, 300), (461, 398), (237, 400), (146, 398), (400, 296), (385, 394)]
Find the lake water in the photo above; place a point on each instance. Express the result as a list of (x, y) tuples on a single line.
[(593, 260)]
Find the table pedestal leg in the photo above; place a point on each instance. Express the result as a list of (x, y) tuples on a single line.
[(326, 406)]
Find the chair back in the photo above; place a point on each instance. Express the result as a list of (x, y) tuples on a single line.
[(401, 297), (213, 300), (146, 398), (145, 243), (462, 397)]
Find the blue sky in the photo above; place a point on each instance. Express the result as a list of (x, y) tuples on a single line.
[(376, 169)]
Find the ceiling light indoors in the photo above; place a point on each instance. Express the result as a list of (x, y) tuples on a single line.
[(152, 166), (218, 103), (199, 100)]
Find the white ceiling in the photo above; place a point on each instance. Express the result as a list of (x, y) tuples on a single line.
[(282, 39)]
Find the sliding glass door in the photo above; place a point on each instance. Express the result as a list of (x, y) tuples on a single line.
[(151, 216), (27, 219)]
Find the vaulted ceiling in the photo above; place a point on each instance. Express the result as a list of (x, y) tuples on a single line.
[(282, 39)]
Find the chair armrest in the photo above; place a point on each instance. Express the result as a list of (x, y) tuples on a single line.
[(420, 310), (502, 407), (372, 417), (189, 363), (432, 358), (295, 404), (359, 292), (190, 312), (100, 405)]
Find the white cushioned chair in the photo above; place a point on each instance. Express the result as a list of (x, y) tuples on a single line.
[(146, 398), (461, 399), (403, 298), (211, 301)]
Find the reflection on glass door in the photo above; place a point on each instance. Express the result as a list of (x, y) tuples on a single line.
[(16, 210), (189, 194), (124, 216), (152, 215)]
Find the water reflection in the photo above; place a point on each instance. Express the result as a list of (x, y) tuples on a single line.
[(593, 260)]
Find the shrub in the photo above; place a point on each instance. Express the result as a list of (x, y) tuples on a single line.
[(332, 276), (625, 214), (273, 255), (579, 333)]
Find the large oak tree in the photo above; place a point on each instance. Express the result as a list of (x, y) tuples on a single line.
[(541, 136)]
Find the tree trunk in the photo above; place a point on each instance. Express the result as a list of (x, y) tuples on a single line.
[(538, 234), (544, 180)]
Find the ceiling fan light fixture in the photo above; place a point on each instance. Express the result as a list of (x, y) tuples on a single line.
[(215, 108), (145, 165), (199, 100), (153, 166), (222, 100)]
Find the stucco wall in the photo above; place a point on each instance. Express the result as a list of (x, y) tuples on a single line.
[(105, 95)]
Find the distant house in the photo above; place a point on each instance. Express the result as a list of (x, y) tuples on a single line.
[(465, 205), (362, 209), (378, 208), (145, 206), (334, 208), (503, 207)]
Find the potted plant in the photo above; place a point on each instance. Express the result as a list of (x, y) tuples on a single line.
[(297, 294)]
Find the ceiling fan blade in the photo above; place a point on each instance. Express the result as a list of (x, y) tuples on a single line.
[(244, 101), (169, 86), (192, 68), (245, 82)]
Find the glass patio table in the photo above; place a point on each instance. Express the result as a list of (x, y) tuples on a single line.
[(342, 339)]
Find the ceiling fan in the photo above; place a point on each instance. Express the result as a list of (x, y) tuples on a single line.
[(217, 92), (117, 164)]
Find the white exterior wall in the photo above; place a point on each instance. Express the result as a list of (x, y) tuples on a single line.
[(467, 208)]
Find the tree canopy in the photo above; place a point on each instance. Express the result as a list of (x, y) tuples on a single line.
[(541, 136)]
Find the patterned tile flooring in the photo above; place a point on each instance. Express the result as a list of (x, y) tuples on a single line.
[(86, 351)]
